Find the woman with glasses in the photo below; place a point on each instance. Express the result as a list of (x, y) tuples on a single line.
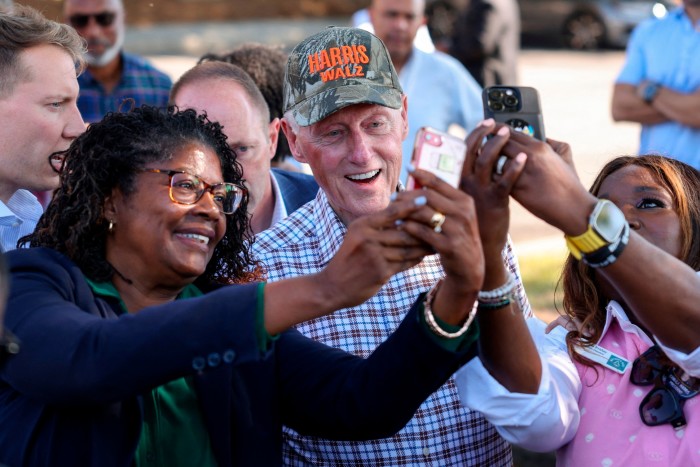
[(134, 351), (619, 385)]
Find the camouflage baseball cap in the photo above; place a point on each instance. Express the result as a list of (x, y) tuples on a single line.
[(335, 68)]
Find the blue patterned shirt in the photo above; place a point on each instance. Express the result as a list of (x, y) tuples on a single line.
[(18, 218), (442, 432), (140, 81)]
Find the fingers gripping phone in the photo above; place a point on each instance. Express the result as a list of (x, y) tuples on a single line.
[(440, 153), (518, 107)]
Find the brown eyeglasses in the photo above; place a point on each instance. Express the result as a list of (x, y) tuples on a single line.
[(186, 188)]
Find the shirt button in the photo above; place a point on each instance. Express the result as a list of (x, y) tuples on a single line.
[(426, 452), (198, 363), (214, 359), (15, 224), (229, 356)]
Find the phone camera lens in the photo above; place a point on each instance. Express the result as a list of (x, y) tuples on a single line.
[(511, 101), (496, 94), (497, 106)]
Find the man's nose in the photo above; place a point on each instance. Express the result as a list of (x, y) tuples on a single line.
[(75, 126), (361, 151)]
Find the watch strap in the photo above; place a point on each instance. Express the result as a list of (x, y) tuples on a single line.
[(609, 253), (587, 242), (650, 91)]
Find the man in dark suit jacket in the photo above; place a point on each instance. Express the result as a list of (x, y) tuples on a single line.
[(229, 96)]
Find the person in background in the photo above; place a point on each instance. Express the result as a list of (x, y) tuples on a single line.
[(113, 76), (229, 96), (441, 93), (346, 116), (265, 64), (659, 86), (147, 338), (39, 62), (360, 19), (618, 386), (486, 40)]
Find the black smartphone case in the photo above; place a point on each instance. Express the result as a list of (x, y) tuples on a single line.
[(516, 106)]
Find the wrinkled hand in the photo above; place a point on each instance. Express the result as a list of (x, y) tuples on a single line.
[(458, 243), (373, 250)]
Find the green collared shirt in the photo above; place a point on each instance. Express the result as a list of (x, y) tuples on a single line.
[(173, 431)]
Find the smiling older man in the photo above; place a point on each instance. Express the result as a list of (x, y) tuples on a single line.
[(346, 116)]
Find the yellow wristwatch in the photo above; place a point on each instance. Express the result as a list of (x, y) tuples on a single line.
[(606, 224)]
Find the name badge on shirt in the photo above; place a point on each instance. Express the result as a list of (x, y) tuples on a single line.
[(604, 357)]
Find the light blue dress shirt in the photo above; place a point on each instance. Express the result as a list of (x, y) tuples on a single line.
[(441, 92), (667, 51), (18, 218)]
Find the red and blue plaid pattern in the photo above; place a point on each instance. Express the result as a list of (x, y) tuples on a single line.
[(442, 432)]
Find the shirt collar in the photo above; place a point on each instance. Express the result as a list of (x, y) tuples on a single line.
[(5, 211), (679, 14), (108, 290), (22, 204), (279, 210), (615, 311)]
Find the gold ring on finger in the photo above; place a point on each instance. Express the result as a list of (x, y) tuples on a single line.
[(437, 220)]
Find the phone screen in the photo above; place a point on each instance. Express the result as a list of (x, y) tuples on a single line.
[(440, 153)]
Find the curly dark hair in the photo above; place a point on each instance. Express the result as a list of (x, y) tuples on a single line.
[(583, 297), (109, 156)]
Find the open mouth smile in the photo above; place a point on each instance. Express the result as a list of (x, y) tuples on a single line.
[(364, 177)]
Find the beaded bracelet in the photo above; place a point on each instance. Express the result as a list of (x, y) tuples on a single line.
[(430, 318), (497, 304), (498, 298)]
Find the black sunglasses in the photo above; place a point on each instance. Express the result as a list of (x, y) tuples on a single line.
[(104, 19), (672, 387)]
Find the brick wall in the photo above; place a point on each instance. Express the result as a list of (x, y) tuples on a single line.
[(143, 12)]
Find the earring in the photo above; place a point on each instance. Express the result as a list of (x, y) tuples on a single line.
[(110, 228)]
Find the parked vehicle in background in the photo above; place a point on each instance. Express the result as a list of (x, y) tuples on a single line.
[(588, 24), (577, 24)]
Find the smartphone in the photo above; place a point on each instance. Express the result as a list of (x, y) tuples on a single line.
[(516, 106), (440, 153)]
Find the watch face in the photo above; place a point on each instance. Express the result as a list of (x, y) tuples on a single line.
[(610, 221)]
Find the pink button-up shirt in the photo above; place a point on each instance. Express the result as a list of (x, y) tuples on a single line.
[(590, 415)]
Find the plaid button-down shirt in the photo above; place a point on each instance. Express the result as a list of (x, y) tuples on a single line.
[(442, 432), (140, 81)]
